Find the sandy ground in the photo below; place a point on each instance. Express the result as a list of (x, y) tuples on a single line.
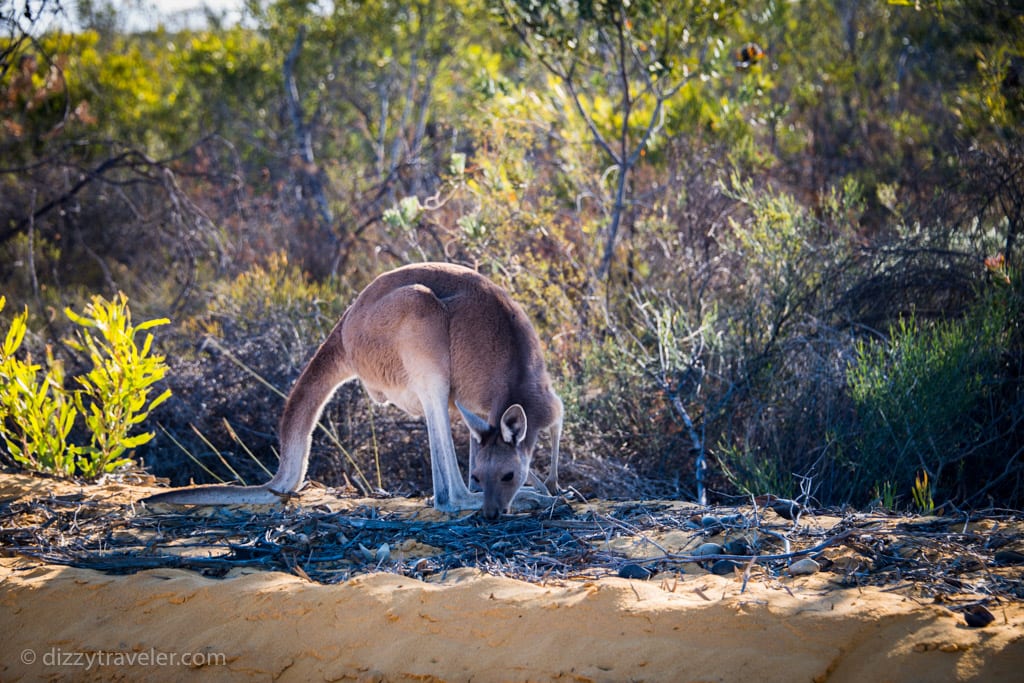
[(64, 623)]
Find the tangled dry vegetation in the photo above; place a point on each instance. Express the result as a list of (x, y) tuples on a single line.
[(967, 562)]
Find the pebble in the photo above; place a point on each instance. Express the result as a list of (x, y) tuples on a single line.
[(978, 617), (707, 549), (1009, 557), (725, 567), (634, 571), (804, 567)]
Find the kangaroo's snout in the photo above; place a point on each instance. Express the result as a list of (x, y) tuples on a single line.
[(491, 513)]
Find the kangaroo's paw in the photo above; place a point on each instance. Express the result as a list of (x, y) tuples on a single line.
[(458, 501), (548, 485), (530, 499), (555, 489)]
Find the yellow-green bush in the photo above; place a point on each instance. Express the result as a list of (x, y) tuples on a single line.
[(38, 412)]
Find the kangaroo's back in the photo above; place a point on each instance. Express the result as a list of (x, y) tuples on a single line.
[(496, 356)]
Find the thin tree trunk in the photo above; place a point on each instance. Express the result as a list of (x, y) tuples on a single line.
[(309, 174)]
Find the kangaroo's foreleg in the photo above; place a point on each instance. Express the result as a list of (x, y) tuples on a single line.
[(450, 491), (474, 448), (536, 497), (555, 435)]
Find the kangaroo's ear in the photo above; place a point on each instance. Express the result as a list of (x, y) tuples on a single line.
[(478, 426), (513, 425)]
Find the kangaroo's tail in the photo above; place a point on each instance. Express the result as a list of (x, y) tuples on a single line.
[(324, 373), (217, 495)]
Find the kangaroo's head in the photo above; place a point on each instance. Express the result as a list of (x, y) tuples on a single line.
[(502, 461)]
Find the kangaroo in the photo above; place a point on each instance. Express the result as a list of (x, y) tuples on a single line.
[(425, 338)]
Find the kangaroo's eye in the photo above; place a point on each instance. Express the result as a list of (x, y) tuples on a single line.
[(508, 477)]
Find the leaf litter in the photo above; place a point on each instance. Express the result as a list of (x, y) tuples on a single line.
[(964, 562)]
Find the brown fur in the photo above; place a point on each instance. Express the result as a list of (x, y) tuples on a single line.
[(426, 338)]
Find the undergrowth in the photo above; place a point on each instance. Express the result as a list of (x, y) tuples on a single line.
[(49, 426)]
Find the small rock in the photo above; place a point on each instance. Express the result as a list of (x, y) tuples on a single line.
[(1009, 557), (725, 567), (787, 509), (804, 567), (707, 549), (978, 617), (710, 521), (634, 571), (737, 546)]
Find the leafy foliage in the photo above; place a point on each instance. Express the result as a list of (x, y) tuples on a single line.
[(114, 397), (38, 412), (924, 398)]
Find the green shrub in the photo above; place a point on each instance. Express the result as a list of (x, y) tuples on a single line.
[(38, 412), (273, 299), (772, 391), (926, 401)]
